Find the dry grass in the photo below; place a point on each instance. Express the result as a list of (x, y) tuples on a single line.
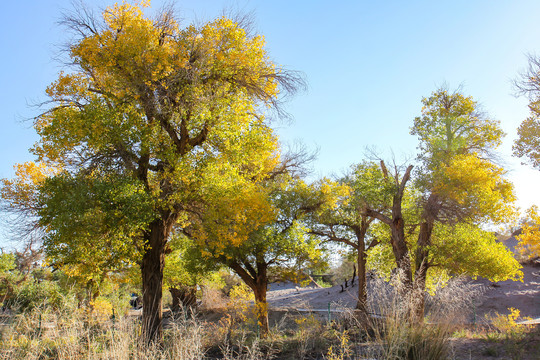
[(72, 334), (37, 335), (392, 334)]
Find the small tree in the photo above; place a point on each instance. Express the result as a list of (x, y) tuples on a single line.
[(276, 239), (348, 223)]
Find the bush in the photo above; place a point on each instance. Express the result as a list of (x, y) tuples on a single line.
[(507, 325), (35, 294), (396, 335)]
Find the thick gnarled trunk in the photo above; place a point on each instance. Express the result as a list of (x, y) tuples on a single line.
[(401, 252), (397, 225), (152, 266)]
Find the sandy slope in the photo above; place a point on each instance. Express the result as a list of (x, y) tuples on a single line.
[(524, 296)]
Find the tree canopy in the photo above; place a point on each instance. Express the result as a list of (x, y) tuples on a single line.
[(150, 123)]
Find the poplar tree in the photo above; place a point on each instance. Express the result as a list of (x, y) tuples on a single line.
[(148, 117)]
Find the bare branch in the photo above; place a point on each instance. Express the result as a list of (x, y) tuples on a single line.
[(82, 20), (528, 83), (295, 161)]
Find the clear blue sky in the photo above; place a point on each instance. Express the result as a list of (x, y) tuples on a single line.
[(368, 64)]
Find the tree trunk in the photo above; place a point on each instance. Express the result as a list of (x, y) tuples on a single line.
[(421, 268), (152, 266), (431, 209), (360, 232), (419, 292), (257, 280), (397, 226), (400, 250), (362, 285), (183, 297), (261, 283), (262, 308)]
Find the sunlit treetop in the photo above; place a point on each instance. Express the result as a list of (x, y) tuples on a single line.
[(149, 97), (452, 124), (458, 171), (142, 80)]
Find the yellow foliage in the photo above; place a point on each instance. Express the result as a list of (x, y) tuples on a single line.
[(478, 186), (241, 304), (138, 50), (507, 324), (343, 350), (21, 192), (102, 309), (529, 240), (175, 108), (467, 249), (239, 207), (241, 293)]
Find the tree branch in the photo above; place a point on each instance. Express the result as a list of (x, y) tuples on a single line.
[(379, 216)]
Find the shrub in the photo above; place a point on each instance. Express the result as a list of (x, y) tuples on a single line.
[(398, 336), (508, 326), (38, 294)]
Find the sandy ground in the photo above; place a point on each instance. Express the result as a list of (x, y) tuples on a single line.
[(497, 297), (288, 299), (289, 295), (524, 296)]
